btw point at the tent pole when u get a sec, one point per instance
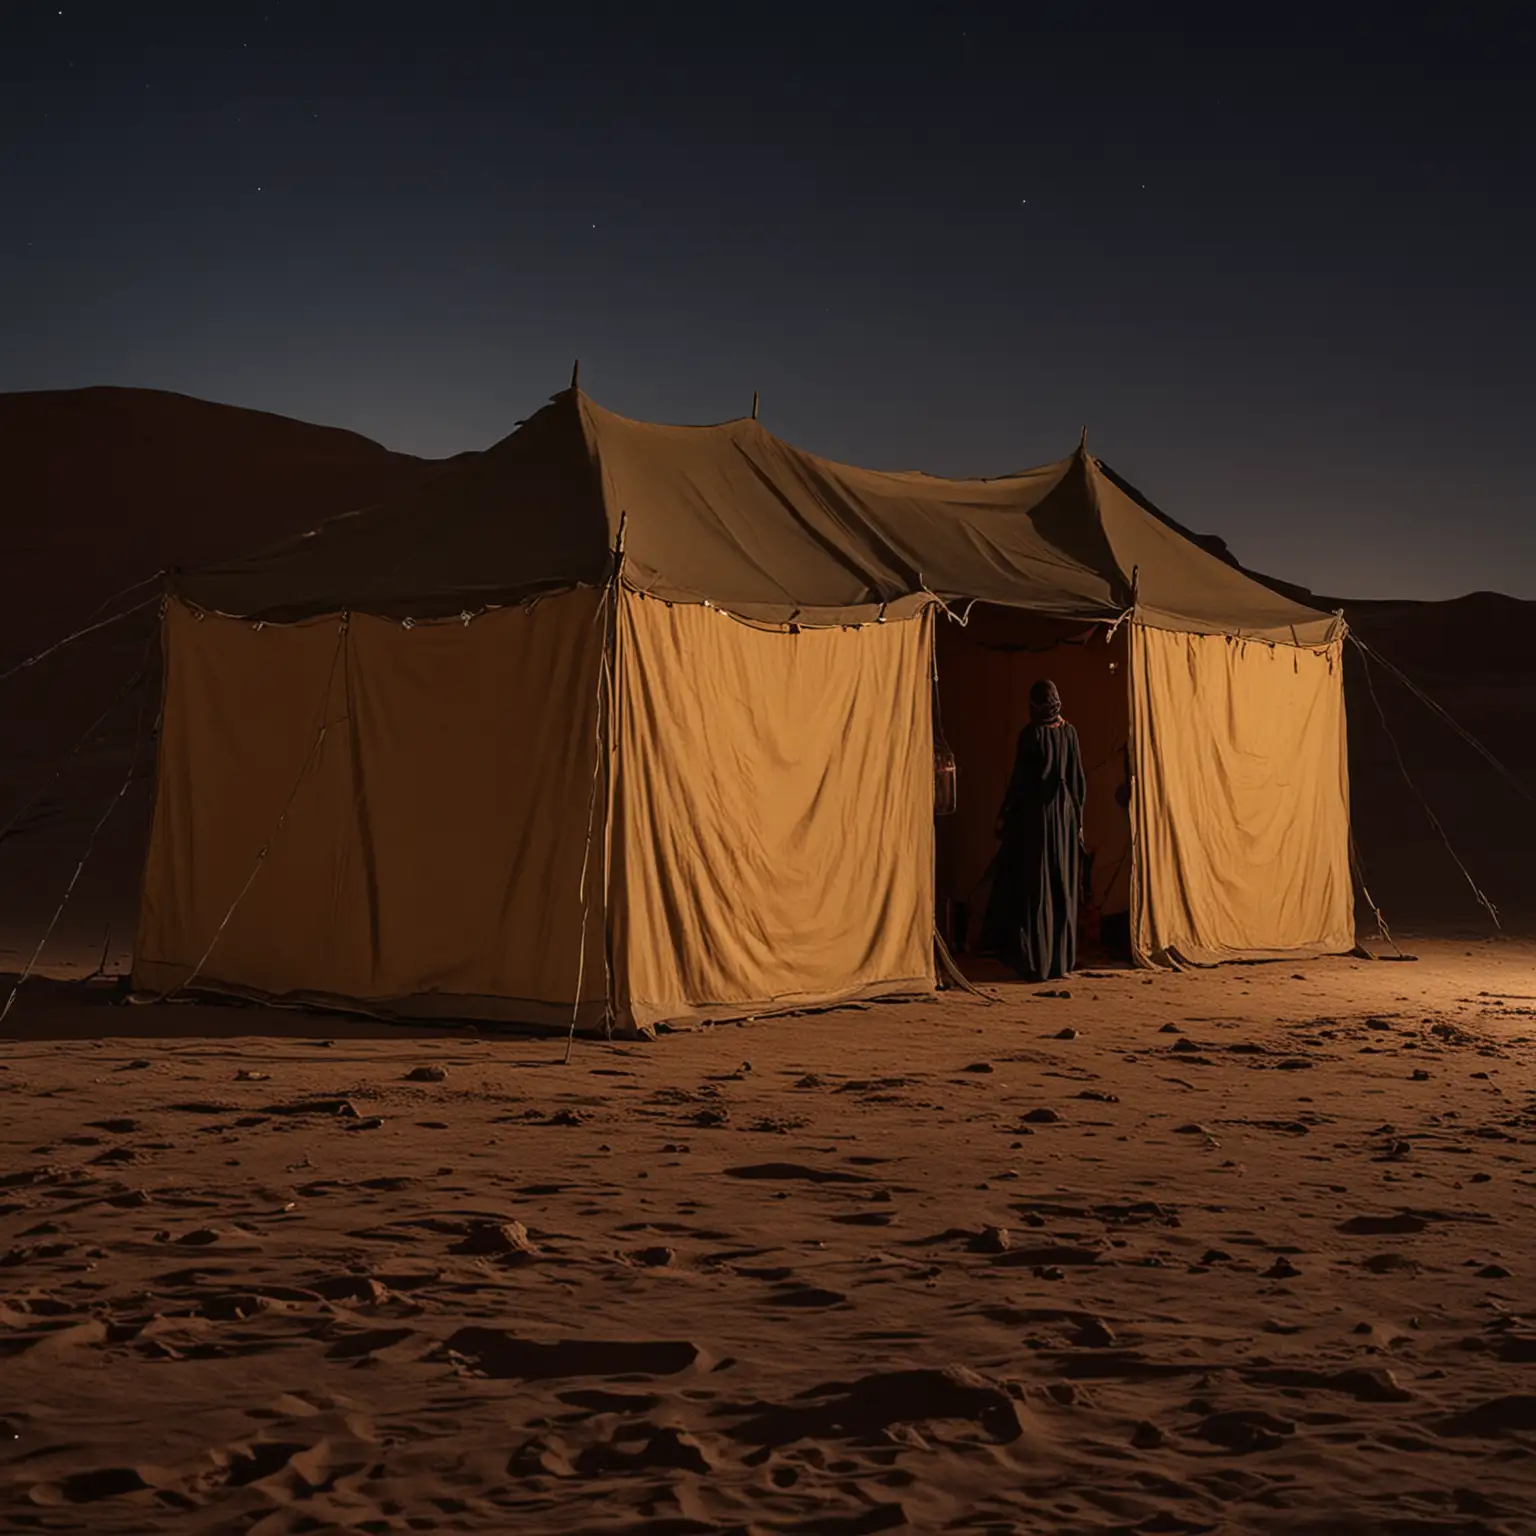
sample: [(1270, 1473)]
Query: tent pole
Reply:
[(603, 743), (614, 700)]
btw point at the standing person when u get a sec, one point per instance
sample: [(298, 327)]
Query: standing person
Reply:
[(1032, 914)]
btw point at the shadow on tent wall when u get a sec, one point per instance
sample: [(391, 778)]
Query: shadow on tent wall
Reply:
[(986, 669)]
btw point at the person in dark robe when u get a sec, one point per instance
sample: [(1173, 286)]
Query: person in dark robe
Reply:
[(1031, 918)]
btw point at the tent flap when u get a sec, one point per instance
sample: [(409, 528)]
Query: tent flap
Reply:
[(1240, 799)]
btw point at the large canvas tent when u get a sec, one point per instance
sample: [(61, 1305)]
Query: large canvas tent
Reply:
[(626, 724)]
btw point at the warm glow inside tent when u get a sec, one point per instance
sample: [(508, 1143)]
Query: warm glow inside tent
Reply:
[(634, 724)]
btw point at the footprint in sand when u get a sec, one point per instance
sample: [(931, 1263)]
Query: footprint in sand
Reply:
[(90, 1487), (500, 1354), (1244, 1430), (805, 1297), (795, 1172), (876, 1403)]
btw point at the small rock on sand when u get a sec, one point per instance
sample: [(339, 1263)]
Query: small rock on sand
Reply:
[(1093, 1333), (654, 1258), (497, 1239), (991, 1240)]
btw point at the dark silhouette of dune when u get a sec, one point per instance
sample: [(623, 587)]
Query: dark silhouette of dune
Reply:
[(1474, 656), (107, 485)]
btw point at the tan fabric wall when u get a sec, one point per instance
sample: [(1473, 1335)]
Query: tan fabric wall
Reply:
[(773, 814), (430, 856), (1241, 800)]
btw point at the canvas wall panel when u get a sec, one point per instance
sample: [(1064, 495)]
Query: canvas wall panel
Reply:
[(773, 818), (429, 857), (1241, 799)]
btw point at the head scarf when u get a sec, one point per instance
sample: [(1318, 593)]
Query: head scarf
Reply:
[(1044, 703)]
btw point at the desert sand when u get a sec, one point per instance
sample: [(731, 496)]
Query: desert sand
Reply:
[(1246, 1249)]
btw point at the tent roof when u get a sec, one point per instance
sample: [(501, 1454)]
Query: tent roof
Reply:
[(733, 516)]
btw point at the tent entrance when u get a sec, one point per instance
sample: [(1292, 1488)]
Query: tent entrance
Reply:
[(985, 671)]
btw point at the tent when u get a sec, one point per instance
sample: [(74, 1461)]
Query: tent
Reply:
[(622, 725)]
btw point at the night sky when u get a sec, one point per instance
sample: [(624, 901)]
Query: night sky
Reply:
[(1279, 260)]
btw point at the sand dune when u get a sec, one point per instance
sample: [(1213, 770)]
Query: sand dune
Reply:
[(103, 486), (1241, 1251), (1476, 657)]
